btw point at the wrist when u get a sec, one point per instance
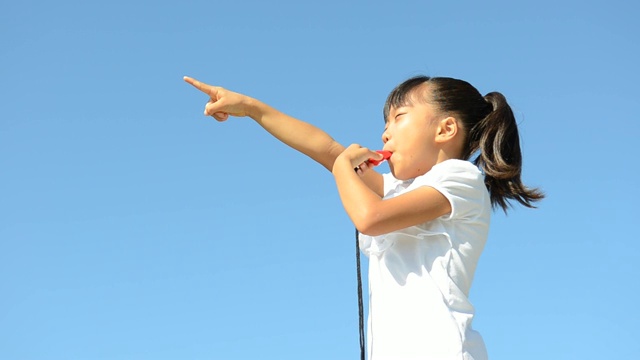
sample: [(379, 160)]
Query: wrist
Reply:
[(341, 164), (255, 109)]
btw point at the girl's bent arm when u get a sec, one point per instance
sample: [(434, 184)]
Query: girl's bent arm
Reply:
[(370, 213)]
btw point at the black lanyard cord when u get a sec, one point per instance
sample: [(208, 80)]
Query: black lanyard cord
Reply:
[(360, 305)]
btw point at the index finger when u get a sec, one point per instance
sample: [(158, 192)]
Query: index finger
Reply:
[(205, 88)]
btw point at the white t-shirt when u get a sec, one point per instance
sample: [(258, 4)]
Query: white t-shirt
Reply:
[(420, 276)]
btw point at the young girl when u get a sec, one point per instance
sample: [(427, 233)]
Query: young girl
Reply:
[(455, 155)]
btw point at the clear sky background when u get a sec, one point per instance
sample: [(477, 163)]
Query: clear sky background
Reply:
[(133, 227)]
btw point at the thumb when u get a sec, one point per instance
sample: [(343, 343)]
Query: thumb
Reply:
[(379, 156), (213, 108)]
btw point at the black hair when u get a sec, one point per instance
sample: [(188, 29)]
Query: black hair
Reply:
[(490, 129)]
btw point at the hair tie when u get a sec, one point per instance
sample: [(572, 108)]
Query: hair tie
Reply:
[(489, 106)]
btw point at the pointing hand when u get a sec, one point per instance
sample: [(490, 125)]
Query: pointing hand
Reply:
[(222, 102)]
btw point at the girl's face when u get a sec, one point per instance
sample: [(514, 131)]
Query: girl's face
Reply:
[(410, 133)]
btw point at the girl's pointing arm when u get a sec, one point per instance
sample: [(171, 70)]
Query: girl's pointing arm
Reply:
[(301, 136)]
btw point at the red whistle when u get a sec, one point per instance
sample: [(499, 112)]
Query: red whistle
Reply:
[(385, 156)]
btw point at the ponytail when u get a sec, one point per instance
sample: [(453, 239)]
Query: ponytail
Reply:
[(496, 140)]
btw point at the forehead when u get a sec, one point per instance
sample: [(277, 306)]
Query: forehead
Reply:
[(407, 97)]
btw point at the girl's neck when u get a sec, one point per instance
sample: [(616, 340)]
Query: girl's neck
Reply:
[(447, 154)]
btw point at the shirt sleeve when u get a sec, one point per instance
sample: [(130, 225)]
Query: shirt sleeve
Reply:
[(461, 183)]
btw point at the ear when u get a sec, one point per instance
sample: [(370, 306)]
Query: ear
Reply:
[(447, 129)]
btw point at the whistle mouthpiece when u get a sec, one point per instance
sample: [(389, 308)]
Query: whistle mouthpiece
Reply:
[(385, 156)]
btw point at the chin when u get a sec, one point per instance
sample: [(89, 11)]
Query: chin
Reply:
[(397, 175)]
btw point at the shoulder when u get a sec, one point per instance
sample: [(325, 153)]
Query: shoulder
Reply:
[(454, 168), (452, 172), (461, 182)]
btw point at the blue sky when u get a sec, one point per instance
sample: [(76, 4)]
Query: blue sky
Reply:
[(132, 227)]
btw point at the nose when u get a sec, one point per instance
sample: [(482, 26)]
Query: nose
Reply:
[(385, 136)]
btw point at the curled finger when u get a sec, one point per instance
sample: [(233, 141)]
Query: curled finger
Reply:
[(362, 168), (220, 116)]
